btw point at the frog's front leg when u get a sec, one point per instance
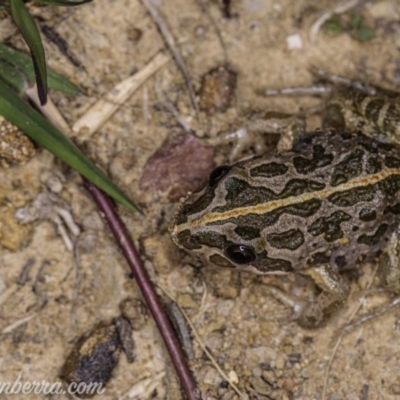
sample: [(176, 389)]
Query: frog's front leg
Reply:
[(312, 314), (335, 290), (291, 129), (389, 271)]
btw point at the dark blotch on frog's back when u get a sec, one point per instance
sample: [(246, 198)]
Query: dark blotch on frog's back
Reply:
[(349, 168), (367, 214), (320, 159), (291, 239), (329, 226), (373, 165), (247, 232), (374, 239), (200, 204), (351, 197), (269, 170)]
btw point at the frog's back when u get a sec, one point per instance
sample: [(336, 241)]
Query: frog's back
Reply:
[(332, 200)]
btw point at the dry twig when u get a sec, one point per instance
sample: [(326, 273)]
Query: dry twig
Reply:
[(173, 48), (131, 255), (105, 107), (203, 346)]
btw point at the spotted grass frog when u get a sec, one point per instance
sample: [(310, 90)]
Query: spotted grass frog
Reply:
[(323, 202)]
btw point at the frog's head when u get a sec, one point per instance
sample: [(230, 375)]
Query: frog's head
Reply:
[(219, 223)]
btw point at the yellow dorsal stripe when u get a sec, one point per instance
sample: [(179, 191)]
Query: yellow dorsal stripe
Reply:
[(275, 204)]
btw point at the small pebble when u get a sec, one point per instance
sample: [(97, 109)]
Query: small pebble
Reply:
[(134, 34), (233, 377), (305, 373), (122, 163), (217, 91), (294, 42), (209, 376), (200, 32), (135, 311)]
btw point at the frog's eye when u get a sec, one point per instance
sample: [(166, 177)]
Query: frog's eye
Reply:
[(240, 254), (217, 174)]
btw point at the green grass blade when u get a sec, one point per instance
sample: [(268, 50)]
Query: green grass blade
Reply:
[(23, 63), (65, 3), (38, 128), (26, 24), (13, 77)]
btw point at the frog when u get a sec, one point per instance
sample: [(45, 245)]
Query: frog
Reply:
[(321, 203)]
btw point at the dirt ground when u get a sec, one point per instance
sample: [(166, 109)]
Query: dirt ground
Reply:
[(49, 295)]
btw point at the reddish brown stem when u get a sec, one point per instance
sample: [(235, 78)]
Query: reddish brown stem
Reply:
[(132, 257)]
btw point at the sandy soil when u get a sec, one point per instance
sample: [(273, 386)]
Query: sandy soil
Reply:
[(49, 296)]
